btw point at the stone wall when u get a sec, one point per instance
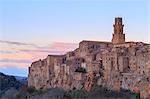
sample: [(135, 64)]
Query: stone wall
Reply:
[(101, 63)]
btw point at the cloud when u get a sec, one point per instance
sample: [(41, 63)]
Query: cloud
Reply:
[(61, 45), (43, 51), (16, 56), (15, 64), (15, 43), (21, 55), (15, 60)]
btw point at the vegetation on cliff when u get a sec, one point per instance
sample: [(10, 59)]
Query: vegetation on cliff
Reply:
[(11, 88), (97, 92)]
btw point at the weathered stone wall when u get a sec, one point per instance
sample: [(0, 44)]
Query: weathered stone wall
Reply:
[(38, 74), (101, 63)]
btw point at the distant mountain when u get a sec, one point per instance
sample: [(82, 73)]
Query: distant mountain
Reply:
[(22, 79), (8, 83)]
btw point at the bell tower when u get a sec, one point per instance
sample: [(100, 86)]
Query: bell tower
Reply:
[(118, 36)]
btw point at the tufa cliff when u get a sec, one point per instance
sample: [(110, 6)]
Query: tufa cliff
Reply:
[(115, 65)]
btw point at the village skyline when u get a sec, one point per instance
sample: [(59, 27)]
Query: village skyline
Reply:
[(34, 29)]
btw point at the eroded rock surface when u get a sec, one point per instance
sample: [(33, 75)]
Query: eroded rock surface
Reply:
[(95, 63), (117, 64)]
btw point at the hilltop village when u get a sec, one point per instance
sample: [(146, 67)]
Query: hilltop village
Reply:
[(115, 65)]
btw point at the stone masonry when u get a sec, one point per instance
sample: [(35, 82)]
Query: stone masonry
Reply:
[(115, 65)]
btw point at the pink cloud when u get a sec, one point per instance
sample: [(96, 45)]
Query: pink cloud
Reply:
[(63, 46), (16, 56), (18, 65)]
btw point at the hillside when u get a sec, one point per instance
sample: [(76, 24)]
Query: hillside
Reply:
[(22, 79), (9, 84)]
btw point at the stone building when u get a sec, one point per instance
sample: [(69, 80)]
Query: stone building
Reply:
[(115, 65), (118, 36)]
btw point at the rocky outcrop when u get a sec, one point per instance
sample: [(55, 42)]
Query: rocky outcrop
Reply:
[(112, 66), (115, 65)]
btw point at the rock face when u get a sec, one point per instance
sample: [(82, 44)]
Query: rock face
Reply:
[(122, 65)]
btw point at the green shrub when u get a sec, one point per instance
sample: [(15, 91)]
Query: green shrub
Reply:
[(31, 90), (135, 96), (76, 94)]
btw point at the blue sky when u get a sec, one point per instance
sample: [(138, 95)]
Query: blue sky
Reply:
[(48, 22)]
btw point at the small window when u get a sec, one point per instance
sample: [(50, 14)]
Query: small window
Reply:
[(94, 57), (143, 72), (120, 30), (83, 60)]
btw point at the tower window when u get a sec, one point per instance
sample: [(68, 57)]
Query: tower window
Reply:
[(120, 30)]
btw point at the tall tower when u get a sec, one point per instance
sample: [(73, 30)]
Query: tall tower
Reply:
[(118, 36)]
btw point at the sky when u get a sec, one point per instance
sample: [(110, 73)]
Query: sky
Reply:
[(32, 29)]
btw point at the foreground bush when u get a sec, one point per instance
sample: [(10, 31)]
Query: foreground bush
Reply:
[(31, 90), (97, 92), (76, 94)]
